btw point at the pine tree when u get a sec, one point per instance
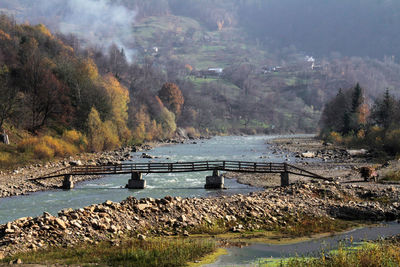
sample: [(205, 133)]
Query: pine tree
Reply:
[(384, 111), (357, 99)]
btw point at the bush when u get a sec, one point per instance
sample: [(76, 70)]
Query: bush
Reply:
[(72, 136), (76, 138), (335, 137), (4, 157), (392, 142), (27, 144), (392, 176), (42, 151), (110, 134), (47, 147)]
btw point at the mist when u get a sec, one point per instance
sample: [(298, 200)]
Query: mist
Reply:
[(99, 23)]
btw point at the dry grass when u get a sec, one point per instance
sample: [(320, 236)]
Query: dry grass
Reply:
[(307, 225), (158, 252), (392, 176)]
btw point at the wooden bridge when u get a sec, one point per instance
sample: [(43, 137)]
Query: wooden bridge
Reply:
[(215, 181)]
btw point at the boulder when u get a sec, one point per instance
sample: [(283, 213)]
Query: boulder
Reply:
[(308, 154), (76, 163)]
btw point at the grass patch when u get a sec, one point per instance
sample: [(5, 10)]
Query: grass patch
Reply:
[(392, 176), (375, 254), (309, 225), (156, 252), (209, 259)]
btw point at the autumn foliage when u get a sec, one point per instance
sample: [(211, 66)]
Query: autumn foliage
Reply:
[(347, 119), (172, 98)]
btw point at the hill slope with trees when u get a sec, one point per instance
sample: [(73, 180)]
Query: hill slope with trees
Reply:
[(207, 66)]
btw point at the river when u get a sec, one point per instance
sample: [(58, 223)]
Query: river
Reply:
[(246, 148)]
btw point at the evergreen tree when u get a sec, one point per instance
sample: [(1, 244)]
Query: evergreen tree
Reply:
[(357, 99), (384, 111), (334, 112)]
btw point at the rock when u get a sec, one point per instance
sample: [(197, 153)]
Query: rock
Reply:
[(308, 154), (185, 233), (108, 203), (61, 223), (9, 231), (143, 206), (357, 152), (147, 156), (75, 163), (141, 237), (182, 218)]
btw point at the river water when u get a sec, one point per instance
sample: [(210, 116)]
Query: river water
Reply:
[(245, 148)]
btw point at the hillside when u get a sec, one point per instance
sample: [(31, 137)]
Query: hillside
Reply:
[(232, 80)]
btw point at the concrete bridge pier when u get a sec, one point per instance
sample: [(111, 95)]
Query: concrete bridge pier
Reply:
[(136, 181), (284, 179), (68, 183), (215, 181)]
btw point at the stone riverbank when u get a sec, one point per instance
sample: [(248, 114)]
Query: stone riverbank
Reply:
[(268, 209)]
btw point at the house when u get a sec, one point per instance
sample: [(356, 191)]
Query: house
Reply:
[(218, 71)]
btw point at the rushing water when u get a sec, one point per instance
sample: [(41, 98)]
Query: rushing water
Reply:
[(250, 148), (258, 253)]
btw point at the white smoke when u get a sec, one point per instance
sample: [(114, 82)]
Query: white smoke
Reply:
[(99, 22)]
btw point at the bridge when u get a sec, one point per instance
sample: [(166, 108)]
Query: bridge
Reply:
[(212, 182)]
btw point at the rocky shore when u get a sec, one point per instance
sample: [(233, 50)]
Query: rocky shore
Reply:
[(327, 160), (268, 209), (275, 207)]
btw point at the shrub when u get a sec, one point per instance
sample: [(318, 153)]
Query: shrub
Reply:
[(54, 144), (392, 176), (72, 136), (335, 137), (76, 138), (392, 142), (27, 144), (110, 134), (46, 147), (4, 157), (42, 151)]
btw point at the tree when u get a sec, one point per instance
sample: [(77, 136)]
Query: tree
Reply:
[(357, 99), (172, 97), (384, 111), (94, 129), (334, 115), (8, 97), (117, 61), (42, 91), (119, 97)]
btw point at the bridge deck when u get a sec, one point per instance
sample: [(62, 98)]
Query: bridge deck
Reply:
[(232, 166)]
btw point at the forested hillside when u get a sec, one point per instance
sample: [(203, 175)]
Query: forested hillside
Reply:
[(136, 70)]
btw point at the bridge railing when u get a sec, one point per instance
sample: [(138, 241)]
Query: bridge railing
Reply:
[(155, 167), (237, 166)]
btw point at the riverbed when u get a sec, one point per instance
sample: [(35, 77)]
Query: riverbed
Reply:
[(245, 148)]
